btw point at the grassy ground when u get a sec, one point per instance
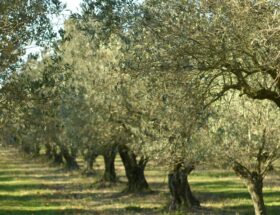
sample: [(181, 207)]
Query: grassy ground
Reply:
[(32, 186)]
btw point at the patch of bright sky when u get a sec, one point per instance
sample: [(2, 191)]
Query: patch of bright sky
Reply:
[(72, 5)]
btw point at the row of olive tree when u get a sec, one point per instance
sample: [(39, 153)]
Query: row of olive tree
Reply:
[(225, 46), (145, 80)]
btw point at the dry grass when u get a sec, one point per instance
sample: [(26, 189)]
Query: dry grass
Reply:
[(32, 186)]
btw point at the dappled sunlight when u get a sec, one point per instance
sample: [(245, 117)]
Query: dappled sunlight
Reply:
[(40, 189)]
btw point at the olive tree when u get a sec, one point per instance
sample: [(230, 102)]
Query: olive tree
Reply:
[(164, 116), (102, 21), (93, 102), (246, 138), (23, 22), (34, 99), (229, 45), (169, 109)]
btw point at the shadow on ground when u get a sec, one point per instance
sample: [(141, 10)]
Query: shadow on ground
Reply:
[(31, 187)]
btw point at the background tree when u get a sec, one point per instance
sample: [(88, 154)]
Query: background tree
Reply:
[(164, 111), (246, 137)]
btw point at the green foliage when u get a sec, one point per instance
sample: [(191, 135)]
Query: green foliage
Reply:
[(246, 132), (23, 22), (230, 45)]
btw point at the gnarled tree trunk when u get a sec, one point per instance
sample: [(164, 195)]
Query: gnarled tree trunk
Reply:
[(180, 190), (48, 150), (255, 187), (90, 158), (70, 159), (57, 157), (109, 161), (36, 150), (26, 148), (254, 182), (134, 170)]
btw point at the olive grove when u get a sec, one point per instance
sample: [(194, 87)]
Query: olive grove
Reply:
[(170, 83)]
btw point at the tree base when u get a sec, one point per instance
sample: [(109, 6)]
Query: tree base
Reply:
[(72, 166), (88, 173), (182, 196), (137, 189)]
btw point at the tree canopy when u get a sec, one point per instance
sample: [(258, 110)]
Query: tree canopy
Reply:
[(23, 23)]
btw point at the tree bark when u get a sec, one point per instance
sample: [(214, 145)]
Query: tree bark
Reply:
[(48, 150), (134, 170), (180, 190), (36, 150), (57, 157), (254, 182), (109, 161), (26, 149), (70, 160), (255, 188), (90, 158)]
